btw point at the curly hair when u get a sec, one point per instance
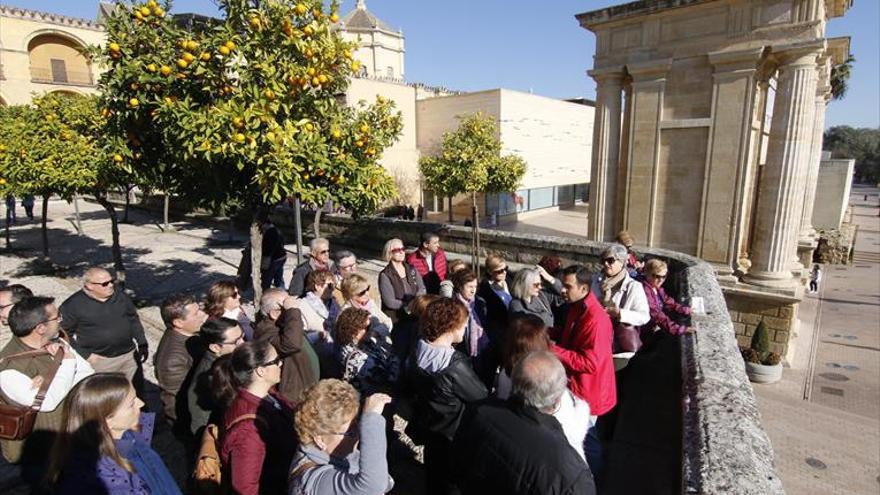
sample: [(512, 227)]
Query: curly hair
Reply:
[(442, 316), (318, 277), (327, 406), (349, 323)]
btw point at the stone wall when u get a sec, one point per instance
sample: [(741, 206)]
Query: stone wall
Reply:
[(725, 449), (779, 318)]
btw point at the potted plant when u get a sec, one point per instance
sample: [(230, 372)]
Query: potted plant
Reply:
[(762, 366)]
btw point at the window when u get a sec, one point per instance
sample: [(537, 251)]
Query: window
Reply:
[(389, 72), (59, 70), (541, 197)]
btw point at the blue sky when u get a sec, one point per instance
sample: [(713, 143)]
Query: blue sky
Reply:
[(538, 46)]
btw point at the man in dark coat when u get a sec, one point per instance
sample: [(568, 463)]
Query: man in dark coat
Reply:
[(282, 325), (177, 352), (517, 446)]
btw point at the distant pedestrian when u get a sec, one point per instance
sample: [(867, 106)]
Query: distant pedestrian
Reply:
[(815, 278), (28, 203), (420, 213), (10, 209)]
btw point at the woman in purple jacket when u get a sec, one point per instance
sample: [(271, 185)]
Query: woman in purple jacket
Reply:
[(662, 307), (104, 443)]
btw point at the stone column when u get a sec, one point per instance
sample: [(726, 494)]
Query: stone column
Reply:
[(606, 154), (823, 92), (780, 206)]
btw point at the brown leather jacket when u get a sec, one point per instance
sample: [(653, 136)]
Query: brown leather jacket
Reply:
[(300, 369), (174, 362)]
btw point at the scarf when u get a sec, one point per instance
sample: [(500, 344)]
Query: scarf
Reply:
[(475, 328), (610, 286), (329, 314), (147, 464)]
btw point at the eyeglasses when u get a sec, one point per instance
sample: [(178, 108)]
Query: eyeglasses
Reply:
[(609, 260), (659, 277), (276, 361), (364, 292), (105, 283), (499, 271), (237, 341), (57, 318)]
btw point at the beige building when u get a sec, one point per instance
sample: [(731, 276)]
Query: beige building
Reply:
[(552, 136), (380, 48), (709, 121), (41, 52)]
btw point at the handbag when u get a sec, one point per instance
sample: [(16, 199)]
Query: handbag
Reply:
[(208, 472), (627, 338), (17, 421)]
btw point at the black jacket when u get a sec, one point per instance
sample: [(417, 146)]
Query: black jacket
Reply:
[(105, 328), (495, 322), (440, 397), (511, 448)]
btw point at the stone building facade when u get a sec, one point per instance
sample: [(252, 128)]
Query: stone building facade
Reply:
[(709, 121), (41, 52)]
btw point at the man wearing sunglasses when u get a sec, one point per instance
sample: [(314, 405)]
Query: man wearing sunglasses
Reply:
[(319, 259), (9, 296), (104, 326)]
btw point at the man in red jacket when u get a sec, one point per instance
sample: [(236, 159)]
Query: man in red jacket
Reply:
[(584, 347), (430, 261)]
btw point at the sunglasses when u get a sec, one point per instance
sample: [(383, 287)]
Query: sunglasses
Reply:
[(276, 361), (660, 277), (398, 250), (499, 271), (609, 261), (364, 292), (105, 283)]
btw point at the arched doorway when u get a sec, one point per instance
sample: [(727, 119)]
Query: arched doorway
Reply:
[(56, 59)]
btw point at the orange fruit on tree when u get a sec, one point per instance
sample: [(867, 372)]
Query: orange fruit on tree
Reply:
[(205, 56), (239, 137), (309, 126), (114, 47), (301, 8), (191, 45), (365, 128), (165, 70), (316, 81), (230, 45), (183, 64), (117, 158), (269, 94), (188, 57), (133, 103), (223, 50), (311, 71), (334, 17), (308, 31), (336, 133), (151, 68), (356, 66), (145, 11)]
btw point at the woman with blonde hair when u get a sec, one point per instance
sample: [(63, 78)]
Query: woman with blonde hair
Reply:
[(356, 293), (663, 308), (103, 445), (339, 453), (399, 282), (224, 299)]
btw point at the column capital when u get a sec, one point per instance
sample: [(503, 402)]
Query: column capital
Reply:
[(799, 54), (650, 70), (607, 74), (735, 60)]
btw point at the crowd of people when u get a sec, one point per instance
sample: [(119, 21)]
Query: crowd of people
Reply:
[(505, 381)]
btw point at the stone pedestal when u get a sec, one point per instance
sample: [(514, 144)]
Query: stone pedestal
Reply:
[(780, 203), (606, 155)]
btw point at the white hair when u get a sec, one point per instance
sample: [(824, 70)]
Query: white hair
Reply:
[(521, 287), (539, 380)]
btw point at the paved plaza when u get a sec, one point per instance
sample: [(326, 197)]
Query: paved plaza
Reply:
[(823, 417)]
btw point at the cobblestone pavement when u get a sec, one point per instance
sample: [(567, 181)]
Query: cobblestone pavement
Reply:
[(823, 418), (186, 259)]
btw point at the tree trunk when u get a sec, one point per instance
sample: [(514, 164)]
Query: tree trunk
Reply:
[(44, 231), (450, 210), (317, 225), (165, 226), (78, 223), (299, 233), (127, 203), (475, 239), (118, 266), (256, 258), (230, 231), (8, 239)]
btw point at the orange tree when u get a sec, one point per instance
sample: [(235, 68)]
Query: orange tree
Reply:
[(246, 109), (50, 148), (469, 160)]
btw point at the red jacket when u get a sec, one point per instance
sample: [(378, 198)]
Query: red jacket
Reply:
[(257, 452), (584, 347), (419, 262)]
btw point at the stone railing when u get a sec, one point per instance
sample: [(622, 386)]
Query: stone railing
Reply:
[(724, 449)]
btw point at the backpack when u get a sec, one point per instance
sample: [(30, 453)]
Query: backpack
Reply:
[(208, 473)]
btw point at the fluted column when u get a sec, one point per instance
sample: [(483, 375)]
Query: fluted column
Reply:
[(606, 154), (823, 91), (780, 207)]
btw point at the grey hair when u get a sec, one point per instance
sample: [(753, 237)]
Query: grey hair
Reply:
[(386, 251), (616, 251), (318, 241), (522, 283), (271, 300), (91, 272), (539, 380), (342, 254)]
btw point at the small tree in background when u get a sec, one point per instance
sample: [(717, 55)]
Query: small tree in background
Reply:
[(470, 161), (47, 149), (244, 109)]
